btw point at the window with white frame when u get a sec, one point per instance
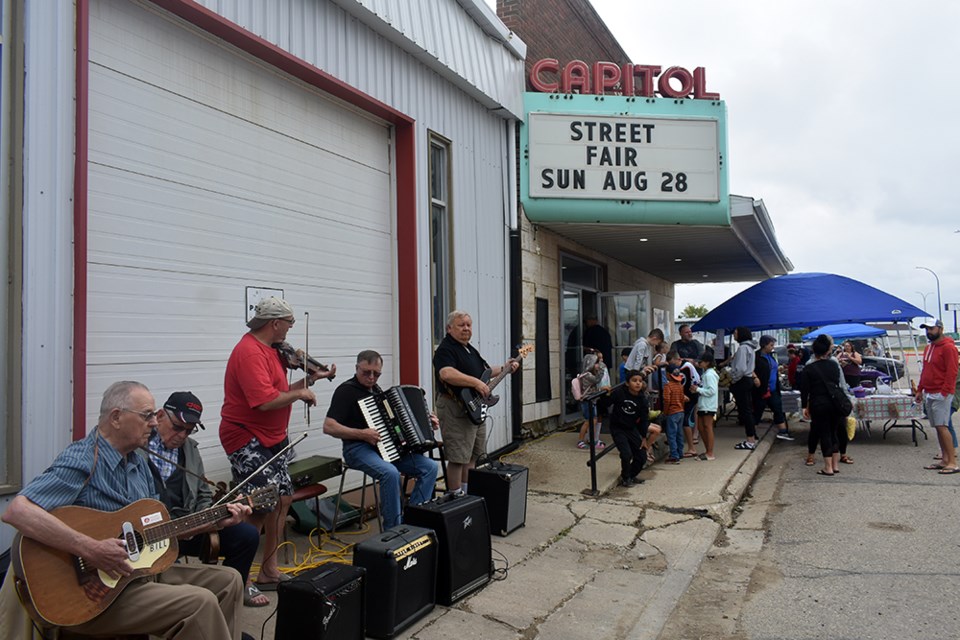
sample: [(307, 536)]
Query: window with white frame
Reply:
[(441, 234)]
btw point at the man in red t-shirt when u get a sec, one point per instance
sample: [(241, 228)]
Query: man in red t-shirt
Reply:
[(256, 409), (938, 380)]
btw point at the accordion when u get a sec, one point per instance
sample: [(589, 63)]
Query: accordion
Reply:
[(401, 416)]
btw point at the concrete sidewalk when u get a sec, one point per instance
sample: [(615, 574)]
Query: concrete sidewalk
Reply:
[(611, 566)]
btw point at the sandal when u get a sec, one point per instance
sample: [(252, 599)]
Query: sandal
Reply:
[(650, 457), (253, 597), (946, 471), (810, 462), (581, 445), (821, 472), (846, 459), (934, 467), (745, 445), (271, 585)]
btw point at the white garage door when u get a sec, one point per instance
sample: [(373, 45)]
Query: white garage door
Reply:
[(211, 172)]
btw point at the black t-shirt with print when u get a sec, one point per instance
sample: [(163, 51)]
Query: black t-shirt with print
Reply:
[(629, 411)]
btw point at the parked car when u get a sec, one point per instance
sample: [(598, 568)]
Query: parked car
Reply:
[(888, 366)]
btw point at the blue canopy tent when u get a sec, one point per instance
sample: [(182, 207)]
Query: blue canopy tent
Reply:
[(846, 331), (807, 300)]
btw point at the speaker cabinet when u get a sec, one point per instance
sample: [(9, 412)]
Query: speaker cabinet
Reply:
[(463, 535), (504, 487), (326, 603), (401, 569)]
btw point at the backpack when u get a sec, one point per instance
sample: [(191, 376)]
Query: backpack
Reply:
[(576, 388)]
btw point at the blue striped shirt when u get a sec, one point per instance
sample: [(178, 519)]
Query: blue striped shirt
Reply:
[(116, 481)]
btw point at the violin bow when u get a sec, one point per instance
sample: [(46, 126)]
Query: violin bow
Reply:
[(306, 363)]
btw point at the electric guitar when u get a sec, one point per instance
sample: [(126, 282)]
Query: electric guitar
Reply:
[(51, 582), (475, 404)]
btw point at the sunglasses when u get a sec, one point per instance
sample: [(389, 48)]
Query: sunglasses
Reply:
[(184, 428)]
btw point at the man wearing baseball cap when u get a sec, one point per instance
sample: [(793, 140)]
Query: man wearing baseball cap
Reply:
[(178, 472), (938, 380), (256, 409)]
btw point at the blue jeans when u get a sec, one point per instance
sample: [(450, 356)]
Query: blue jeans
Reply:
[(675, 434), (364, 457)]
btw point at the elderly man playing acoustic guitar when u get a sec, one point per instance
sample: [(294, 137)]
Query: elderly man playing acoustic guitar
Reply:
[(103, 472)]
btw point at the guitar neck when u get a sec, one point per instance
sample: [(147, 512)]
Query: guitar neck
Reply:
[(186, 525), (500, 376)]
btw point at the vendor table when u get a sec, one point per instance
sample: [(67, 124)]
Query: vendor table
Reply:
[(896, 410)]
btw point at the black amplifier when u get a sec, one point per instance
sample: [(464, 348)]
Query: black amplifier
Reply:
[(401, 566), (504, 487), (463, 535), (325, 603)]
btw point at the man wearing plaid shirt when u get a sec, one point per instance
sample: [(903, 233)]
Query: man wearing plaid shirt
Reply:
[(185, 491)]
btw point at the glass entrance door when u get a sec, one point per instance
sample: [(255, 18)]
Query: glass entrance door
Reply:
[(626, 314)]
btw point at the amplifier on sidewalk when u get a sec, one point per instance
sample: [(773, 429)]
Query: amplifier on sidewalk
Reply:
[(401, 566), (463, 535), (504, 487), (325, 603)]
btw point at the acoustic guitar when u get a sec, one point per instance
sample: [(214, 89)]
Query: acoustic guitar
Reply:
[(51, 582), (475, 404)]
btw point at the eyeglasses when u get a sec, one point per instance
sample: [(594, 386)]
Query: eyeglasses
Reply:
[(184, 428), (146, 416), (369, 372), (291, 321)]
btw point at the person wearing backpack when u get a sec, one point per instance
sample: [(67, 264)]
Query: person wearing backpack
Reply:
[(589, 383)]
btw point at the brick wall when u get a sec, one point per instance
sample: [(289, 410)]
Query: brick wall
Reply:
[(562, 29)]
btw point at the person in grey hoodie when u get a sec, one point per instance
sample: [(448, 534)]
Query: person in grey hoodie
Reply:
[(743, 380)]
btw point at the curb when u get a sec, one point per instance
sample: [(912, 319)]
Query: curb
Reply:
[(741, 480)]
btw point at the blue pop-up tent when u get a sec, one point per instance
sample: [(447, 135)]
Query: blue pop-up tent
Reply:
[(846, 331), (807, 300)]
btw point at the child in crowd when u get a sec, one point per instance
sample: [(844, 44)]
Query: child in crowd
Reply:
[(673, 401), (590, 379), (691, 378), (707, 403), (624, 354), (629, 418)]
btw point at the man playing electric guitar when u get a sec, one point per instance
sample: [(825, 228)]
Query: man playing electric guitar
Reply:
[(458, 366), (103, 472)]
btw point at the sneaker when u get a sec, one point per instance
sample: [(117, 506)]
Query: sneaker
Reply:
[(637, 480), (627, 482), (784, 435), (673, 460), (581, 445), (745, 444), (600, 445)]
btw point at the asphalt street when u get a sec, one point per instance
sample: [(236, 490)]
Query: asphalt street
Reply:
[(869, 554)]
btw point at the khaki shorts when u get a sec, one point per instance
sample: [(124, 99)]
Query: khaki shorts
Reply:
[(463, 441)]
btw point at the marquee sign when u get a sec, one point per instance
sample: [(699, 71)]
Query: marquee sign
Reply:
[(623, 157), (608, 78)]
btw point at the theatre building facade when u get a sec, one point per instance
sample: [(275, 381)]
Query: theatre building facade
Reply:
[(168, 163), (624, 193)]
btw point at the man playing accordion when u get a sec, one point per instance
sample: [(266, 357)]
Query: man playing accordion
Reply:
[(345, 420)]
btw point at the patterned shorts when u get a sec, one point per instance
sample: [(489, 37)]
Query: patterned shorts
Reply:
[(252, 456)]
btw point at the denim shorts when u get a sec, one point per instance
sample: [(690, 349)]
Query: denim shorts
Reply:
[(587, 409)]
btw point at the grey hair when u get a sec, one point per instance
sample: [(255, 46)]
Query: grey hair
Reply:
[(369, 356), (115, 397), (453, 315)]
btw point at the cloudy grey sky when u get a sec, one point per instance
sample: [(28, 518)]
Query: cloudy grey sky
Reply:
[(843, 117)]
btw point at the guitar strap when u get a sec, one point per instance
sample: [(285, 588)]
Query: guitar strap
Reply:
[(178, 466)]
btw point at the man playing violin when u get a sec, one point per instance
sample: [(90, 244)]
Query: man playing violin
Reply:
[(178, 471), (102, 471), (257, 401)]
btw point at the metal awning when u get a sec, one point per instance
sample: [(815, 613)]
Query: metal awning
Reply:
[(744, 251)]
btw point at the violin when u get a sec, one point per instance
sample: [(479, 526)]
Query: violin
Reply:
[(296, 359)]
